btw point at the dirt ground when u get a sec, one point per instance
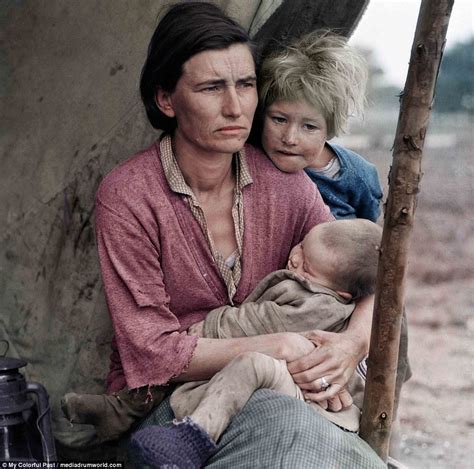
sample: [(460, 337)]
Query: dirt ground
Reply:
[(436, 410)]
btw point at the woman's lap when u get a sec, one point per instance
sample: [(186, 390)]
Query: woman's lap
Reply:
[(274, 431)]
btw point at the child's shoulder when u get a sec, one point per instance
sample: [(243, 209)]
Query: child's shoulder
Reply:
[(350, 159), (348, 155)]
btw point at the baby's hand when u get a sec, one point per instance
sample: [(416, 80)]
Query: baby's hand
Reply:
[(197, 329)]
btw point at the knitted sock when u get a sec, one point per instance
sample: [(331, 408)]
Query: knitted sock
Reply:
[(183, 445)]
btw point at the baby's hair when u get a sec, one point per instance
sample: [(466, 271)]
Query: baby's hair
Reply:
[(354, 246), (322, 69)]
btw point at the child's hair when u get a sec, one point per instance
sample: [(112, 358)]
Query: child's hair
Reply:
[(322, 69), (354, 246)]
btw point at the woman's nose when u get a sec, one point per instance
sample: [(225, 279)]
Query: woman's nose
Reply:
[(231, 105)]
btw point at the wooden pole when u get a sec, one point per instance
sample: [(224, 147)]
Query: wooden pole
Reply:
[(404, 179)]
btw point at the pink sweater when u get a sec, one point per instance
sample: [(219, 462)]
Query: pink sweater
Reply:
[(157, 268)]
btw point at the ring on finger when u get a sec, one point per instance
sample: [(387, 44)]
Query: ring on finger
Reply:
[(324, 383)]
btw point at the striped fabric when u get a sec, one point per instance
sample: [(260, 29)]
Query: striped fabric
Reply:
[(275, 431), (362, 369), (176, 181)]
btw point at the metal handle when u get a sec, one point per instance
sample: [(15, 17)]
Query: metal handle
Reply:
[(44, 420)]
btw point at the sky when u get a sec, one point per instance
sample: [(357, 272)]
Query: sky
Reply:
[(388, 28)]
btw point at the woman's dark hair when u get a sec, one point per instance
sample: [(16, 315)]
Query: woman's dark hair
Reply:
[(186, 29)]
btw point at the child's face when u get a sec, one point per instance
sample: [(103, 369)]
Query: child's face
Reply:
[(311, 260), (294, 134)]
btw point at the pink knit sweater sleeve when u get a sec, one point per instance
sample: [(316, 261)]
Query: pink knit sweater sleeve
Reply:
[(152, 347)]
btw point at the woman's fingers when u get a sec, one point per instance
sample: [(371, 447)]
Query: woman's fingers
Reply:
[(313, 394), (335, 404), (319, 372), (346, 398), (323, 403), (332, 357), (305, 362), (318, 356), (338, 402)]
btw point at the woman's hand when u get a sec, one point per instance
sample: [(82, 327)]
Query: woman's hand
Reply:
[(294, 346), (332, 362), (334, 404)]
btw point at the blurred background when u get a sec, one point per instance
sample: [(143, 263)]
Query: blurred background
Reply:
[(436, 410)]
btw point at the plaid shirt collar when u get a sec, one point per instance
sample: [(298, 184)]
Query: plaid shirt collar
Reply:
[(175, 177)]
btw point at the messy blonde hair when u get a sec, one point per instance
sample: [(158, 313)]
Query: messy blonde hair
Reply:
[(322, 69)]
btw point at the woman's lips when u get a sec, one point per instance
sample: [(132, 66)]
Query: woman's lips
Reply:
[(232, 129)]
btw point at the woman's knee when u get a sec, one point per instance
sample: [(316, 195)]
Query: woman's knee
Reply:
[(298, 430)]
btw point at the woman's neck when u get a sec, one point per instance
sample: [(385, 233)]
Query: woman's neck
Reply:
[(204, 172)]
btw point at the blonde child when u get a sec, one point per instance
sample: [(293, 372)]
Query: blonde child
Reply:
[(307, 92)]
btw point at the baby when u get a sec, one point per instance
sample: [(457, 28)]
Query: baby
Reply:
[(307, 92), (335, 264)]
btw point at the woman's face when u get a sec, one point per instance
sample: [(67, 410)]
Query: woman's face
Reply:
[(214, 101), (294, 134)]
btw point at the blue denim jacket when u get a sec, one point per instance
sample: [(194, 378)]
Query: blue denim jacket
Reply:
[(355, 192)]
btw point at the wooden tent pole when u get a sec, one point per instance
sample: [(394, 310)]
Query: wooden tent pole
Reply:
[(404, 178)]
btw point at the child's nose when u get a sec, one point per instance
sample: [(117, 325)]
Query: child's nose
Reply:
[(289, 136)]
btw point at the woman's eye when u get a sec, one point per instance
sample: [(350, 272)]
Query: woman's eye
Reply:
[(210, 89), (247, 84), (310, 127)]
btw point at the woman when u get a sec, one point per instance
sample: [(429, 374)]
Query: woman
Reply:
[(193, 223)]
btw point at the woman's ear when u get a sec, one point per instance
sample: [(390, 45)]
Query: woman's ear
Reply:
[(164, 102)]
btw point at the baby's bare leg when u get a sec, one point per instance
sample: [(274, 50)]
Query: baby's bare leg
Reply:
[(230, 389)]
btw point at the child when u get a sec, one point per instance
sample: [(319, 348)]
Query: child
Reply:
[(334, 264), (307, 92)]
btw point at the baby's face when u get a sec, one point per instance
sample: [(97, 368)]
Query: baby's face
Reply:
[(310, 260), (294, 134)]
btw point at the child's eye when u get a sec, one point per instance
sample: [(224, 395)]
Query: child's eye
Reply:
[(310, 127), (278, 119)]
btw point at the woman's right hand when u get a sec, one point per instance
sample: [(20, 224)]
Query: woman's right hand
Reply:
[(295, 346)]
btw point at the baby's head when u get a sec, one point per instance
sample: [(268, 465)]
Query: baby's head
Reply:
[(341, 255), (307, 92)]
